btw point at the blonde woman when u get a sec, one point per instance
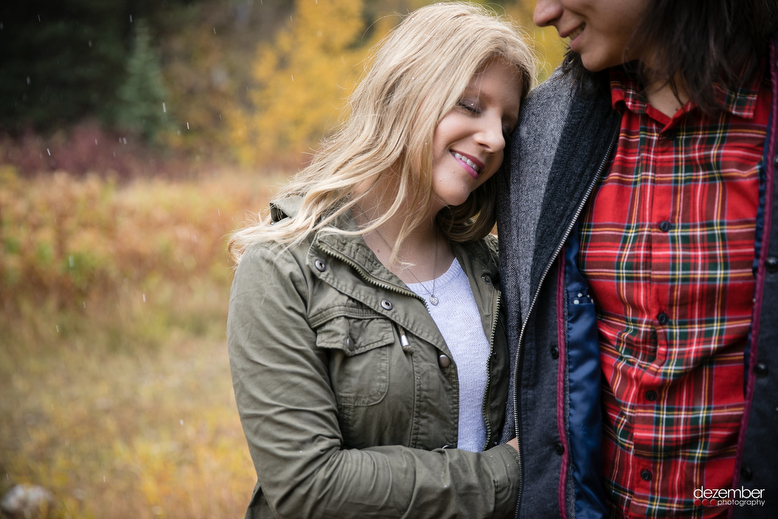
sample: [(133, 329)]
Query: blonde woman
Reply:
[(368, 354)]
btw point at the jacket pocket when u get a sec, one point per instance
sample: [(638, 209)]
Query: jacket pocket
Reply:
[(358, 352)]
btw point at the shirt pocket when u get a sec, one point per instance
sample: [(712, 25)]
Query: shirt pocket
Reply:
[(358, 352)]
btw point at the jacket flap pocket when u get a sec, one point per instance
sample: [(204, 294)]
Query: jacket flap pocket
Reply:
[(354, 335)]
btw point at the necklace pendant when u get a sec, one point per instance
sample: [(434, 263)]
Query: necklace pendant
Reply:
[(434, 300)]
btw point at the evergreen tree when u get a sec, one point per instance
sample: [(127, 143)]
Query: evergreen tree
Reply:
[(142, 94)]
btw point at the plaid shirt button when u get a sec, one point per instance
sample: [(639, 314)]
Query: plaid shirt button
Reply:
[(663, 318), (646, 475), (651, 395)]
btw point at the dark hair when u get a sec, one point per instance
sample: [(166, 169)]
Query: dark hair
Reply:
[(695, 43)]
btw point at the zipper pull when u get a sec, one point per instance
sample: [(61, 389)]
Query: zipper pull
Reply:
[(404, 340)]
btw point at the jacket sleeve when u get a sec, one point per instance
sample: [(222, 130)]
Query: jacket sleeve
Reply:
[(289, 415)]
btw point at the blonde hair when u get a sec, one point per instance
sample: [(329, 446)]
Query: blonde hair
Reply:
[(419, 72)]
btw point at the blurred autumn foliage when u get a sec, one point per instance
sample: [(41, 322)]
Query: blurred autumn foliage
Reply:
[(254, 82)]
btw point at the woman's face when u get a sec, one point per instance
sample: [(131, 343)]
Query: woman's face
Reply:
[(598, 29), (468, 144)]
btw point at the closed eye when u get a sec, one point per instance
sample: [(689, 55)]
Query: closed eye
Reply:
[(469, 106)]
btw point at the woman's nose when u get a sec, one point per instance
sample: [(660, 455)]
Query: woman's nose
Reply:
[(491, 136)]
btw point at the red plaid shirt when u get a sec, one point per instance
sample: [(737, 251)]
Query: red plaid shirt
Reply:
[(667, 244)]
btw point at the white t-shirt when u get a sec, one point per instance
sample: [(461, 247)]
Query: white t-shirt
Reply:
[(459, 321)]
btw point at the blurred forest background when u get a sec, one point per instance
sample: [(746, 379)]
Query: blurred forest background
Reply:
[(134, 136)]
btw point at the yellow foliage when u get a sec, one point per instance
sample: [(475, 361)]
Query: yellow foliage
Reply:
[(549, 47), (302, 79)]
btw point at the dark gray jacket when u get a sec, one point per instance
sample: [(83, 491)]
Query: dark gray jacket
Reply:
[(563, 146)]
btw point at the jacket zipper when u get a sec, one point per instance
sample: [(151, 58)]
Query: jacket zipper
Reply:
[(569, 229), (368, 278), (484, 410)]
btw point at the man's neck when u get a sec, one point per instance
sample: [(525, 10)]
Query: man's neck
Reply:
[(664, 99)]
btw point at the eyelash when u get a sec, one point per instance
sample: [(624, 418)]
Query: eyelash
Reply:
[(473, 110), (470, 108)]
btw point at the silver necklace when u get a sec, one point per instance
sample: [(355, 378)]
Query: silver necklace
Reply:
[(433, 299)]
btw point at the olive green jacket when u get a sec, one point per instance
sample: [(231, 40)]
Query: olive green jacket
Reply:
[(348, 394)]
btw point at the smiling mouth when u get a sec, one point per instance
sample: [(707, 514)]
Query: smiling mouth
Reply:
[(467, 161), (576, 32)]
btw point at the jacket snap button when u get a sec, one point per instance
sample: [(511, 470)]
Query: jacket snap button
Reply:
[(444, 361), (485, 279), (554, 353), (772, 264), (662, 318), (646, 475), (559, 448), (746, 473), (386, 304), (664, 226), (319, 264), (651, 395), (761, 369)]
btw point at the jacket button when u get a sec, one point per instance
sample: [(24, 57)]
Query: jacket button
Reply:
[(646, 475), (554, 353), (772, 264), (486, 279), (559, 448), (386, 304), (651, 395), (319, 264), (663, 318), (664, 226), (444, 361), (761, 369), (746, 473)]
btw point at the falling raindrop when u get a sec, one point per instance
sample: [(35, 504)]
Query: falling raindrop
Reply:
[(57, 327), (28, 80), (84, 303), (218, 212), (214, 30), (90, 44), (144, 298), (71, 262), (39, 18), (49, 152), (103, 479), (292, 77), (164, 109), (187, 125), (130, 18), (95, 142), (181, 422)]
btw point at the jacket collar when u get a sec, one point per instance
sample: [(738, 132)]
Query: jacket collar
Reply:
[(353, 249)]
